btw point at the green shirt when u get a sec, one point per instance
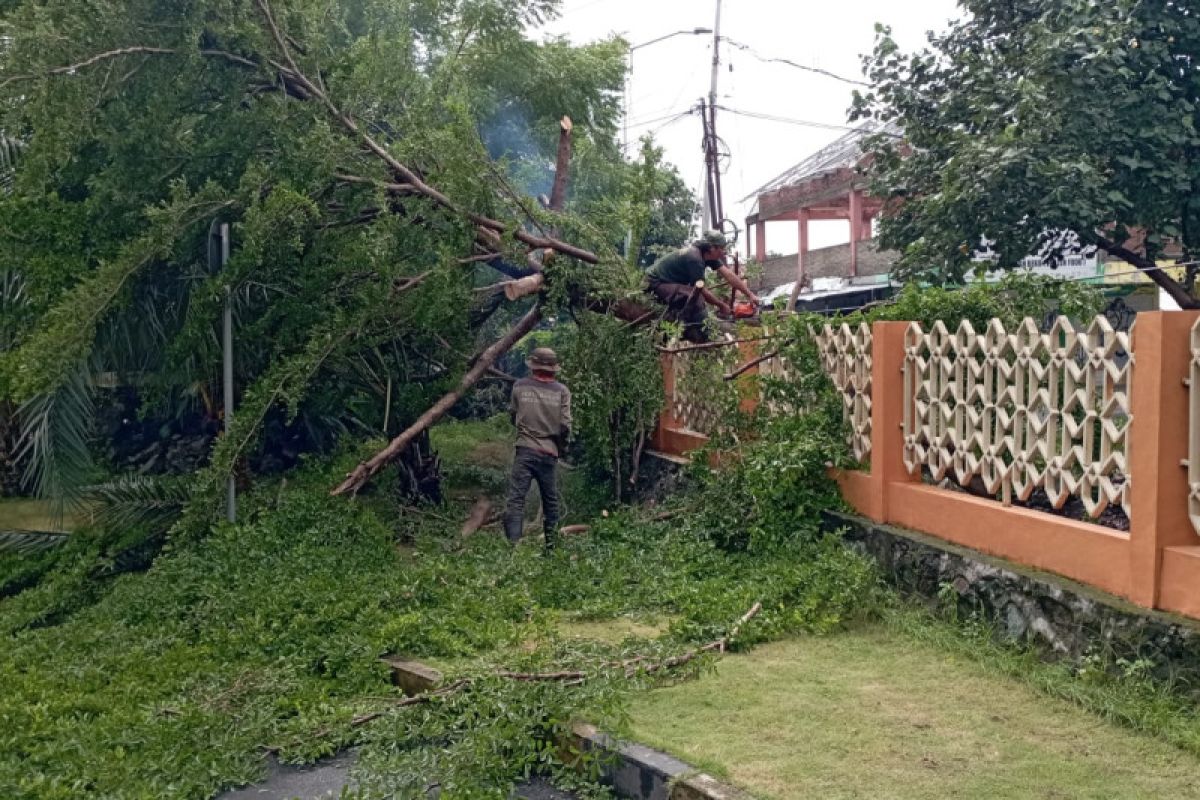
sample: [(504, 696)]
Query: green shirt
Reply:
[(685, 266), (541, 411)]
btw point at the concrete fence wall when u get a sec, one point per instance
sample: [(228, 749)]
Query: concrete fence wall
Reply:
[(1133, 444)]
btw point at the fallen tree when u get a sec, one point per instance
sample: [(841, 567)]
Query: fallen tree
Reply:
[(339, 193)]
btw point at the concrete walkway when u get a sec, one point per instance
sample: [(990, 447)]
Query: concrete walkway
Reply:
[(326, 779)]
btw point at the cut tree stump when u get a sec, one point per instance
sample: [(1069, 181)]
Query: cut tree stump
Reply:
[(412, 677)]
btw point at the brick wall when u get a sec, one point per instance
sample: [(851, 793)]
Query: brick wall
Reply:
[(827, 262)]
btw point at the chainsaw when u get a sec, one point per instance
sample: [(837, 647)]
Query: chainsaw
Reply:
[(745, 310)]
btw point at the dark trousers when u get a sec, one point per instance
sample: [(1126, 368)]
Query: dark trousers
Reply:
[(529, 466), (685, 304)]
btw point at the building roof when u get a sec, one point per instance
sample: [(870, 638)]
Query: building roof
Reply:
[(842, 153)]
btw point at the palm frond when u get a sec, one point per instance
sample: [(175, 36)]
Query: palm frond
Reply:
[(10, 153), (53, 447), (27, 543), (13, 297), (135, 500)]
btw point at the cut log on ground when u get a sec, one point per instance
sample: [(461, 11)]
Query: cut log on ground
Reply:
[(480, 512)]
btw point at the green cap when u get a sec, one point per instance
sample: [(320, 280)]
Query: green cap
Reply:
[(543, 359), (713, 239)]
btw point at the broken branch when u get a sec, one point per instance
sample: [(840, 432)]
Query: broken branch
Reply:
[(128, 51), (394, 188), (630, 667), (749, 365), (419, 186), (363, 719), (718, 646), (558, 195), (368, 469), (713, 345)]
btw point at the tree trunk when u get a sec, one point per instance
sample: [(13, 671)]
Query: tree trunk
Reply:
[(1168, 284), (420, 471), (486, 360), (558, 195)]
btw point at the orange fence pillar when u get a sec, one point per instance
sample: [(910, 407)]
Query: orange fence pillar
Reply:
[(666, 418), (868, 492), (887, 410), (1158, 444)]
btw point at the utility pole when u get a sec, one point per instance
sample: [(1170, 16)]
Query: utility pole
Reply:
[(712, 213), (714, 203), (712, 170)]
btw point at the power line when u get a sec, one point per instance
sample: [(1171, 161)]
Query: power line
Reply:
[(806, 123), (769, 60), (671, 117), (669, 122), (660, 113)]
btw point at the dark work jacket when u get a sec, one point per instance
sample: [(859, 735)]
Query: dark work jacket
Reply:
[(684, 266)]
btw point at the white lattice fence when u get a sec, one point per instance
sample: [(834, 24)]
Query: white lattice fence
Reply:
[(1193, 465), (846, 356), (696, 403), (1022, 410)]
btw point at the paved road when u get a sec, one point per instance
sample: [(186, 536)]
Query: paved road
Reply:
[(326, 779)]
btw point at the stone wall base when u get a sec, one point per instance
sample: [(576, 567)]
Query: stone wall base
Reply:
[(1058, 616)]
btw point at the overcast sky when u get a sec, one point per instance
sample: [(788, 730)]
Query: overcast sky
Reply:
[(672, 75)]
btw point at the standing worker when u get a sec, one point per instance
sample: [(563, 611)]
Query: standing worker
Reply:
[(677, 281), (541, 412)]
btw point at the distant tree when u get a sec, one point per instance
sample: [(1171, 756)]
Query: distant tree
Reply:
[(1028, 119), (661, 205)]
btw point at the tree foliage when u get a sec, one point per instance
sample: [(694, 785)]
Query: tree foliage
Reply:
[(139, 123), (1025, 120), (661, 208)]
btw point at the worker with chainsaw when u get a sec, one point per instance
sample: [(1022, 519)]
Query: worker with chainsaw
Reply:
[(541, 412), (677, 281)]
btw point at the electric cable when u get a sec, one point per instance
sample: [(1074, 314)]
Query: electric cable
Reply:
[(806, 123), (666, 118), (787, 62)]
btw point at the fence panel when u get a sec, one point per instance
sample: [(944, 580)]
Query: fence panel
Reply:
[(846, 357), (1193, 463), (1022, 410), (697, 403)]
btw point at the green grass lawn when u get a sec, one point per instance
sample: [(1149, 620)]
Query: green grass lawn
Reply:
[(874, 713)]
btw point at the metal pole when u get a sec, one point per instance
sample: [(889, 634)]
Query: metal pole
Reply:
[(710, 129), (625, 154), (628, 89), (705, 213), (231, 492)]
